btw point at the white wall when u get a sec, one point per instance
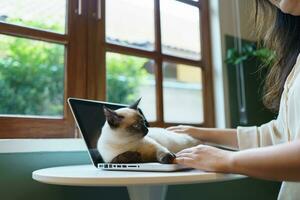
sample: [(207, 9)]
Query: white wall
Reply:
[(228, 17)]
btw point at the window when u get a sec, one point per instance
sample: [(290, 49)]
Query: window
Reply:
[(116, 50), (37, 68), (157, 50)]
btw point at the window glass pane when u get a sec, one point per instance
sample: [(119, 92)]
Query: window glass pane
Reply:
[(31, 77), (130, 23), (129, 78), (182, 90), (41, 14), (180, 29)]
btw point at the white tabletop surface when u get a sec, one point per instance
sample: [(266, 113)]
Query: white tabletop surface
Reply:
[(88, 175)]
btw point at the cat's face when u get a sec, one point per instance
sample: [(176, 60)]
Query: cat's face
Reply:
[(127, 122)]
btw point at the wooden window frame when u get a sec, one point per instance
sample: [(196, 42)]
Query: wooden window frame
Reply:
[(85, 72), (97, 70), (74, 81)]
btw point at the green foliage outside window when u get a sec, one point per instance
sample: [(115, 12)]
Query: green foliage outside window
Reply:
[(32, 75), (124, 76)]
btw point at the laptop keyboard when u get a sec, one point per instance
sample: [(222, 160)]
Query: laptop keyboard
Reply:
[(117, 166)]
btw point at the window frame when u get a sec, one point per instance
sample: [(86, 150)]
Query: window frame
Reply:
[(97, 70), (85, 71), (15, 126)]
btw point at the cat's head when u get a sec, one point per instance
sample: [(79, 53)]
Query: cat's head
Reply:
[(127, 122)]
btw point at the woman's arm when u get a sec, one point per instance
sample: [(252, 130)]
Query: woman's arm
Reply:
[(279, 162), (225, 137)]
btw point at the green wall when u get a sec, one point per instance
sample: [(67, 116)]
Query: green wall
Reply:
[(254, 76), (16, 182)]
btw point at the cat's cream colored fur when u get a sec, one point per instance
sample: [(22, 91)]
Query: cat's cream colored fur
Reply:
[(153, 147)]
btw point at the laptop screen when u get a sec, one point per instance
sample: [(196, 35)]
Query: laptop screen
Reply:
[(90, 118)]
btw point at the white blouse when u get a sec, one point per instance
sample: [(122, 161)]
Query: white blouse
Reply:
[(285, 128)]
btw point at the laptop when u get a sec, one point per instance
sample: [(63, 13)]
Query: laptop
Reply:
[(89, 117)]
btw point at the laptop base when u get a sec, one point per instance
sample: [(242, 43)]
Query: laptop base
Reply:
[(142, 167)]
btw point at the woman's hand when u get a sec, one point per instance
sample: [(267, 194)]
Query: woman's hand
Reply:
[(224, 137), (205, 158)]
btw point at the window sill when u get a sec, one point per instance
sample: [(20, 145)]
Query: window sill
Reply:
[(41, 145)]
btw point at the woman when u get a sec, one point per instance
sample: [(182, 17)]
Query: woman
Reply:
[(278, 157)]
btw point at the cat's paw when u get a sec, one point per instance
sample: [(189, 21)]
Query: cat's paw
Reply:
[(167, 158)]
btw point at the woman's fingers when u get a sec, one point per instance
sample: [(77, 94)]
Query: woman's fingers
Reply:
[(187, 161), (189, 150), (174, 128), (187, 154), (171, 128), (179, 129), (205, 158)]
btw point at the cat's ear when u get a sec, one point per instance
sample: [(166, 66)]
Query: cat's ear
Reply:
[(135, 104), (112, 117)]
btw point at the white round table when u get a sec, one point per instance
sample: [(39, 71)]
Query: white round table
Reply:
[(140, 185)]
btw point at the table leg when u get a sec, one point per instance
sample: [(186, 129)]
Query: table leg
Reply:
[(147, 192)]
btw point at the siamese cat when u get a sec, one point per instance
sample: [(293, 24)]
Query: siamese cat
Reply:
[(125, 138)]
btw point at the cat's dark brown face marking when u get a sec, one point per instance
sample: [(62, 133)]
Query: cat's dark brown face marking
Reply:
[(128, 120), (138, 126)]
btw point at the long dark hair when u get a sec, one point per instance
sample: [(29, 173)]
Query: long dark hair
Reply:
[(283, 36)]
